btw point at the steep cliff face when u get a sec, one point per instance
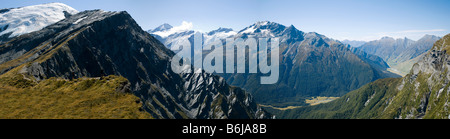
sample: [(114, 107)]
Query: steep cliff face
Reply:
[(97, 43), (425, 90), (423, 93)]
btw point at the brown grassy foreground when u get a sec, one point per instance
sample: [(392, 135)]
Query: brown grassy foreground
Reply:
[(85, 98)]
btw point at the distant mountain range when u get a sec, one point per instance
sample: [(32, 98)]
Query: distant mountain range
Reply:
[(423, 93), (399, 53), (354, 43)]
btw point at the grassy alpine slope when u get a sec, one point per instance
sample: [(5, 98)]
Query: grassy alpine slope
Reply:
[(55, 98)]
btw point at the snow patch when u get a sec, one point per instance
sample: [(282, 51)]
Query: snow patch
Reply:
[(32, 18), (79, 20), (267, 33), (440, 91), (370, 98), (249, 30)]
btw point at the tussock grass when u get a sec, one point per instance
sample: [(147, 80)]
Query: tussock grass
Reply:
[(55, 98)]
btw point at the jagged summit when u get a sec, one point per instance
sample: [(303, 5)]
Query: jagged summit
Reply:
[(267, 23), (387, 37), (427, 37), (443, 44), (265, 27), (163, 27)]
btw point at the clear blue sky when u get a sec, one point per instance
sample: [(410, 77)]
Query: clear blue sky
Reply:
[(338, 19)]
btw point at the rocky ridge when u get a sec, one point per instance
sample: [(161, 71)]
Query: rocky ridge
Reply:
[(97, 43)]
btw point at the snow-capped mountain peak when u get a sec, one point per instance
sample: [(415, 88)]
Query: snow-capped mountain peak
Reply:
[(167, 30), (263, 29), (163, 27), (18, 21)]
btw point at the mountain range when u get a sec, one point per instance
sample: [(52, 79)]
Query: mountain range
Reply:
[(96, 43), (57, 62), (401, 53)]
